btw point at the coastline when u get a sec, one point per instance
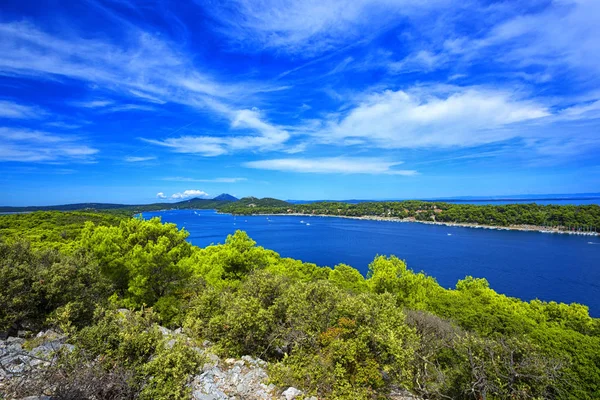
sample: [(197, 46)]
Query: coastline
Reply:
[(523, 228)]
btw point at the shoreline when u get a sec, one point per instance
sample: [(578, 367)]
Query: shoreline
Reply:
[(522, 228)]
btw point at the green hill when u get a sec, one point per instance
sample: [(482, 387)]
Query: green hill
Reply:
[(195, 203)]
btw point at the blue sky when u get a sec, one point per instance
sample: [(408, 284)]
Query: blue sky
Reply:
[(123, 101)]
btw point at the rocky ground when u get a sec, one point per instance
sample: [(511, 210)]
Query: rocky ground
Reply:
[(246, 378), (23, 361)]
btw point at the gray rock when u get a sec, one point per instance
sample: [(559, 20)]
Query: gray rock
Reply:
[(235, 379), (12, 340), (164, 331), (13, 348), (291, 393)]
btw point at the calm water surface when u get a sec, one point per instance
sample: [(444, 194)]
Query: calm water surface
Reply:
[(527, 265)]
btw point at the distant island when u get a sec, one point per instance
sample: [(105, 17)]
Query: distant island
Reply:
[(580, 219), (573, 219)]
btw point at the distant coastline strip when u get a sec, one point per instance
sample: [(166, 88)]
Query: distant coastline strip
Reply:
[(524, 228)]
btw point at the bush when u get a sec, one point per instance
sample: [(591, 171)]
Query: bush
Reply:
[(41, 288)]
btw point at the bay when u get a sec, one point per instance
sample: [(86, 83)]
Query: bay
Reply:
[(527, 265)]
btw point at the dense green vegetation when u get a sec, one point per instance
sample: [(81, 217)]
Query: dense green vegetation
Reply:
[(329, 331), (585, 217)]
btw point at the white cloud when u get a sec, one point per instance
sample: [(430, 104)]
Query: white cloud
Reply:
[(420, 61), (330, 165), (146, 68), (559, 38), (139, 159), (564, 33), (442, 117), (9, 109), (266, 137), (310, 27), (128, 107), (92, 103), (208, 146), (63, 125), (161, 195), (24, 145), (189, 193), (582, 111), (212, 180)]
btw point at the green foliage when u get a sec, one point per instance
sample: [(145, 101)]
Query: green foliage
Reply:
[(231, 261), (354, 348), (168, 372), (40, 288), (390, 275), (51, 229), (348, 278), (330, 332), (160, 367), (140, 257), (128, 337)]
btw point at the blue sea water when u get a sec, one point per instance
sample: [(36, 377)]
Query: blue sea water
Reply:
[(527, 265)]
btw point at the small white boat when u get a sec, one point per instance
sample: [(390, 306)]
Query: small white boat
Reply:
[(301, 222), (449, 234), (307, 224)]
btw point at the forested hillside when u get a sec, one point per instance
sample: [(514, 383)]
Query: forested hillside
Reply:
[(564, 216), (331, 332), (561, 217)]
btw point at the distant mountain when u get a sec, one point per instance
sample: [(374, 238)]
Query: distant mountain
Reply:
[(65, 207), (225, 197), (195, 203)]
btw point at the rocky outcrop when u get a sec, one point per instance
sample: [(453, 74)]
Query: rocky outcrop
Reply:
[(233, 379), (21, 358), (230, 379), (218, 379)]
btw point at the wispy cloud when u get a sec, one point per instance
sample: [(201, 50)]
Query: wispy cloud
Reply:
[(63, 125), (186, 194), (92, 103), (306, 28), (23, 145), (145, 67), (266, 137), (161, 195), (588, 110), (332, 165), (211, 180), (9, 109), (554, 38), (133, 159), (563, 33), (128, 107), (431, 117)]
